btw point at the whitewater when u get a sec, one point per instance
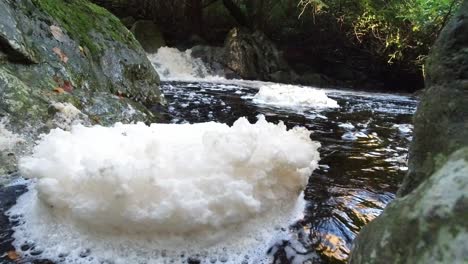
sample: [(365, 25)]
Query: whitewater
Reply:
[(134, 193)]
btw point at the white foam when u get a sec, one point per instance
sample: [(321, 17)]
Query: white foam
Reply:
[(130, 191), (352, 136), (291, 96), (347, 126), (404, 128)]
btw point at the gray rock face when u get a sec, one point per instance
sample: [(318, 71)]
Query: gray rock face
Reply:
[(441, 122), (254, 56), (149, 35), (427, 223), (70, 52), (246, 55), (426, 226)]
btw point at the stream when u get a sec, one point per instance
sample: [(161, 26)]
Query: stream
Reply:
[(364, 147), (364, 154)]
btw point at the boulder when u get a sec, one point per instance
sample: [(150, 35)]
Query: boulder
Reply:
[(128, 21), (426, 226), (251, 55), (214, 59), (149, 35), (441, 122), (427, 222), (73, 53)]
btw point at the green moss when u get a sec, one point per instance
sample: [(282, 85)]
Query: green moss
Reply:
[(80, 19)]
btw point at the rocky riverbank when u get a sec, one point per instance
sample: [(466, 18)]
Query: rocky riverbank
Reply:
[(427, 222), (60, 59)]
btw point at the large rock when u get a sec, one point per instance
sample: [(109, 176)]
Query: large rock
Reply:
[(441, 122), (427, 223), (149, 35), (73, 52), (252, 55)]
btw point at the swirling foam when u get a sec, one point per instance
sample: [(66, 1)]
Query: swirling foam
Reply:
[(133, 193), (291, 96)]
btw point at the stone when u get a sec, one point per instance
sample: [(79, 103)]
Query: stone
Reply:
[(149, 35), (427, 222), (441, 121), (253, 56), (426, 226), (73, 52)]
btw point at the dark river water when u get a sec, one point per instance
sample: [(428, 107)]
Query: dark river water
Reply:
[(364, 152)]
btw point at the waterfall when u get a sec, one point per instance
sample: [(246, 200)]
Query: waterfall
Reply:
[(175, 65)]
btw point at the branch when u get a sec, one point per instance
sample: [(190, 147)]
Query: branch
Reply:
[(447, 16)]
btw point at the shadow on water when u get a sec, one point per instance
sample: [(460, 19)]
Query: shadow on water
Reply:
[(364, 149)]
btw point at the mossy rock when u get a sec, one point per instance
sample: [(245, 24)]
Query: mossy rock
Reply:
[(426, 226), (252, 55), (427, 222), (76, 52), (149, 35), (441, 121)]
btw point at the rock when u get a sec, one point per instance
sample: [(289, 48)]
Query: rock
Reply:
[(149, 35), (11, 40), (213, 57), (314, 79), (283, 76), (128, 21), (426, 226), (427, 222), (253, 56), (72, 52), (441, 122)]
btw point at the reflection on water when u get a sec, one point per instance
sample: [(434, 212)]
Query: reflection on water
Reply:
[(364, 149), (364, 153)]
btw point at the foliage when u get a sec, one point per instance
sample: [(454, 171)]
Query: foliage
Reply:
[(401, 30)]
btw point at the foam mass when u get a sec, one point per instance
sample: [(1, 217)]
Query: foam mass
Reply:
[(292, 96), (164, 186)]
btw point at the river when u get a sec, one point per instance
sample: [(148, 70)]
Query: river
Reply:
[(364, 145)]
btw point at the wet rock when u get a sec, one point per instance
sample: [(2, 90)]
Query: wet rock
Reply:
[(426, 226), (314, 79), (149, 35), (213, 57), (427, 222), (254, 56), (441, 122), (12, 43), (128, 21), (72, 52)]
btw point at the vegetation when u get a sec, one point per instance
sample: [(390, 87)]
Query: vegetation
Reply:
[(70, 15), (359, 42), (401, 30)]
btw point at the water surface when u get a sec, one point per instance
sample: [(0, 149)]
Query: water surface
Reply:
[(364, 152)]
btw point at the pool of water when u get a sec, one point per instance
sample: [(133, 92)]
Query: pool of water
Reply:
[(364, 153)]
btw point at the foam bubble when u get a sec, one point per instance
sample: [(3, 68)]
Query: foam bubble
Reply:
[(292, 96), (128, 193)]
